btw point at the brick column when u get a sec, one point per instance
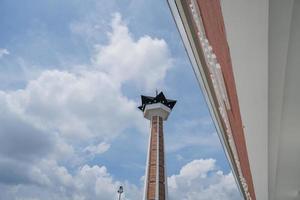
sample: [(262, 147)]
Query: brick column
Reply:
[(156, 184)]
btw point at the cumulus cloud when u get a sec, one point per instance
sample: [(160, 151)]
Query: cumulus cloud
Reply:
[(81, 106), (201, 180), (144, 61), (87, 183), (4, 52), (90, 102), (48, 127), (87, 105), (18, 137), (197, 180)]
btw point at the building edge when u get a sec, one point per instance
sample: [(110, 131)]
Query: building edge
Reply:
[(216, 80)]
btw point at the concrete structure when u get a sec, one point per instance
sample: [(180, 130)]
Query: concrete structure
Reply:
[(156, 109), (245, 55)]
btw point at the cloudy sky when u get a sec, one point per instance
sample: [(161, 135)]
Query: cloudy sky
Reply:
[(71, 75)]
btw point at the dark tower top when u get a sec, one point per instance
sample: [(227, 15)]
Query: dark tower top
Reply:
[(160, 98)]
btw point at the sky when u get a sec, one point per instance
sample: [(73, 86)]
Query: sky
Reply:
[(71, 74)]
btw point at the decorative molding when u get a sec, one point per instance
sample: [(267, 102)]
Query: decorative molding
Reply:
[(217, 79)]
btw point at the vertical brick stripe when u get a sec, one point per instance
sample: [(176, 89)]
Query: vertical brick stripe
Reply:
[(156, 124), (161, 161), (151, 185)]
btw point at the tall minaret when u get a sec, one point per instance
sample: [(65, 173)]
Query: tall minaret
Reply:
[(156, 109)]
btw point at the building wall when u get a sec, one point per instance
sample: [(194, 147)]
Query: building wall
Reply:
[(246, 24)]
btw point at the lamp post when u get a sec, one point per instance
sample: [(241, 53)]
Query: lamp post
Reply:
[(120, 191)]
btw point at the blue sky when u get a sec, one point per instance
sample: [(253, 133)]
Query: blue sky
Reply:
[(72, 73)]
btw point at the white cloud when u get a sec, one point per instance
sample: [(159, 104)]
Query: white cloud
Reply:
[(86, 107), (200, 180), (48, 126), (4, 52), (97, 149), (87, 183), (144, 61), (90, 26), (197, 180), (90, 102), (19, 138)]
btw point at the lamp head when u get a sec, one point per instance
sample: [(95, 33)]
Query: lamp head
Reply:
[(120, 190)]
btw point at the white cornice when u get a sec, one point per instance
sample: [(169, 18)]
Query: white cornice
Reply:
[(156, 109), (216, 77)]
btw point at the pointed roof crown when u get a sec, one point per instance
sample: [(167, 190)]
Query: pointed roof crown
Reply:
[(160, 98)]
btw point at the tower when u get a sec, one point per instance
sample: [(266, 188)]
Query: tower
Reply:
[(156, 109)]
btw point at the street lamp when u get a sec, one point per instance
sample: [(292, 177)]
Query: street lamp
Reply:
[(120, 191)]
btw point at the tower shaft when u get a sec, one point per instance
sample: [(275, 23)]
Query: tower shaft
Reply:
[(156, 184), (156, 109)]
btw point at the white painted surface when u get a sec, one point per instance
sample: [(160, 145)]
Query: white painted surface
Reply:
[(268, 90), (246, 25), (279, 34), (288, 159), (157, 109)]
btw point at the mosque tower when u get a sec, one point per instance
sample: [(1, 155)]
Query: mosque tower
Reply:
[(156, 109)]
